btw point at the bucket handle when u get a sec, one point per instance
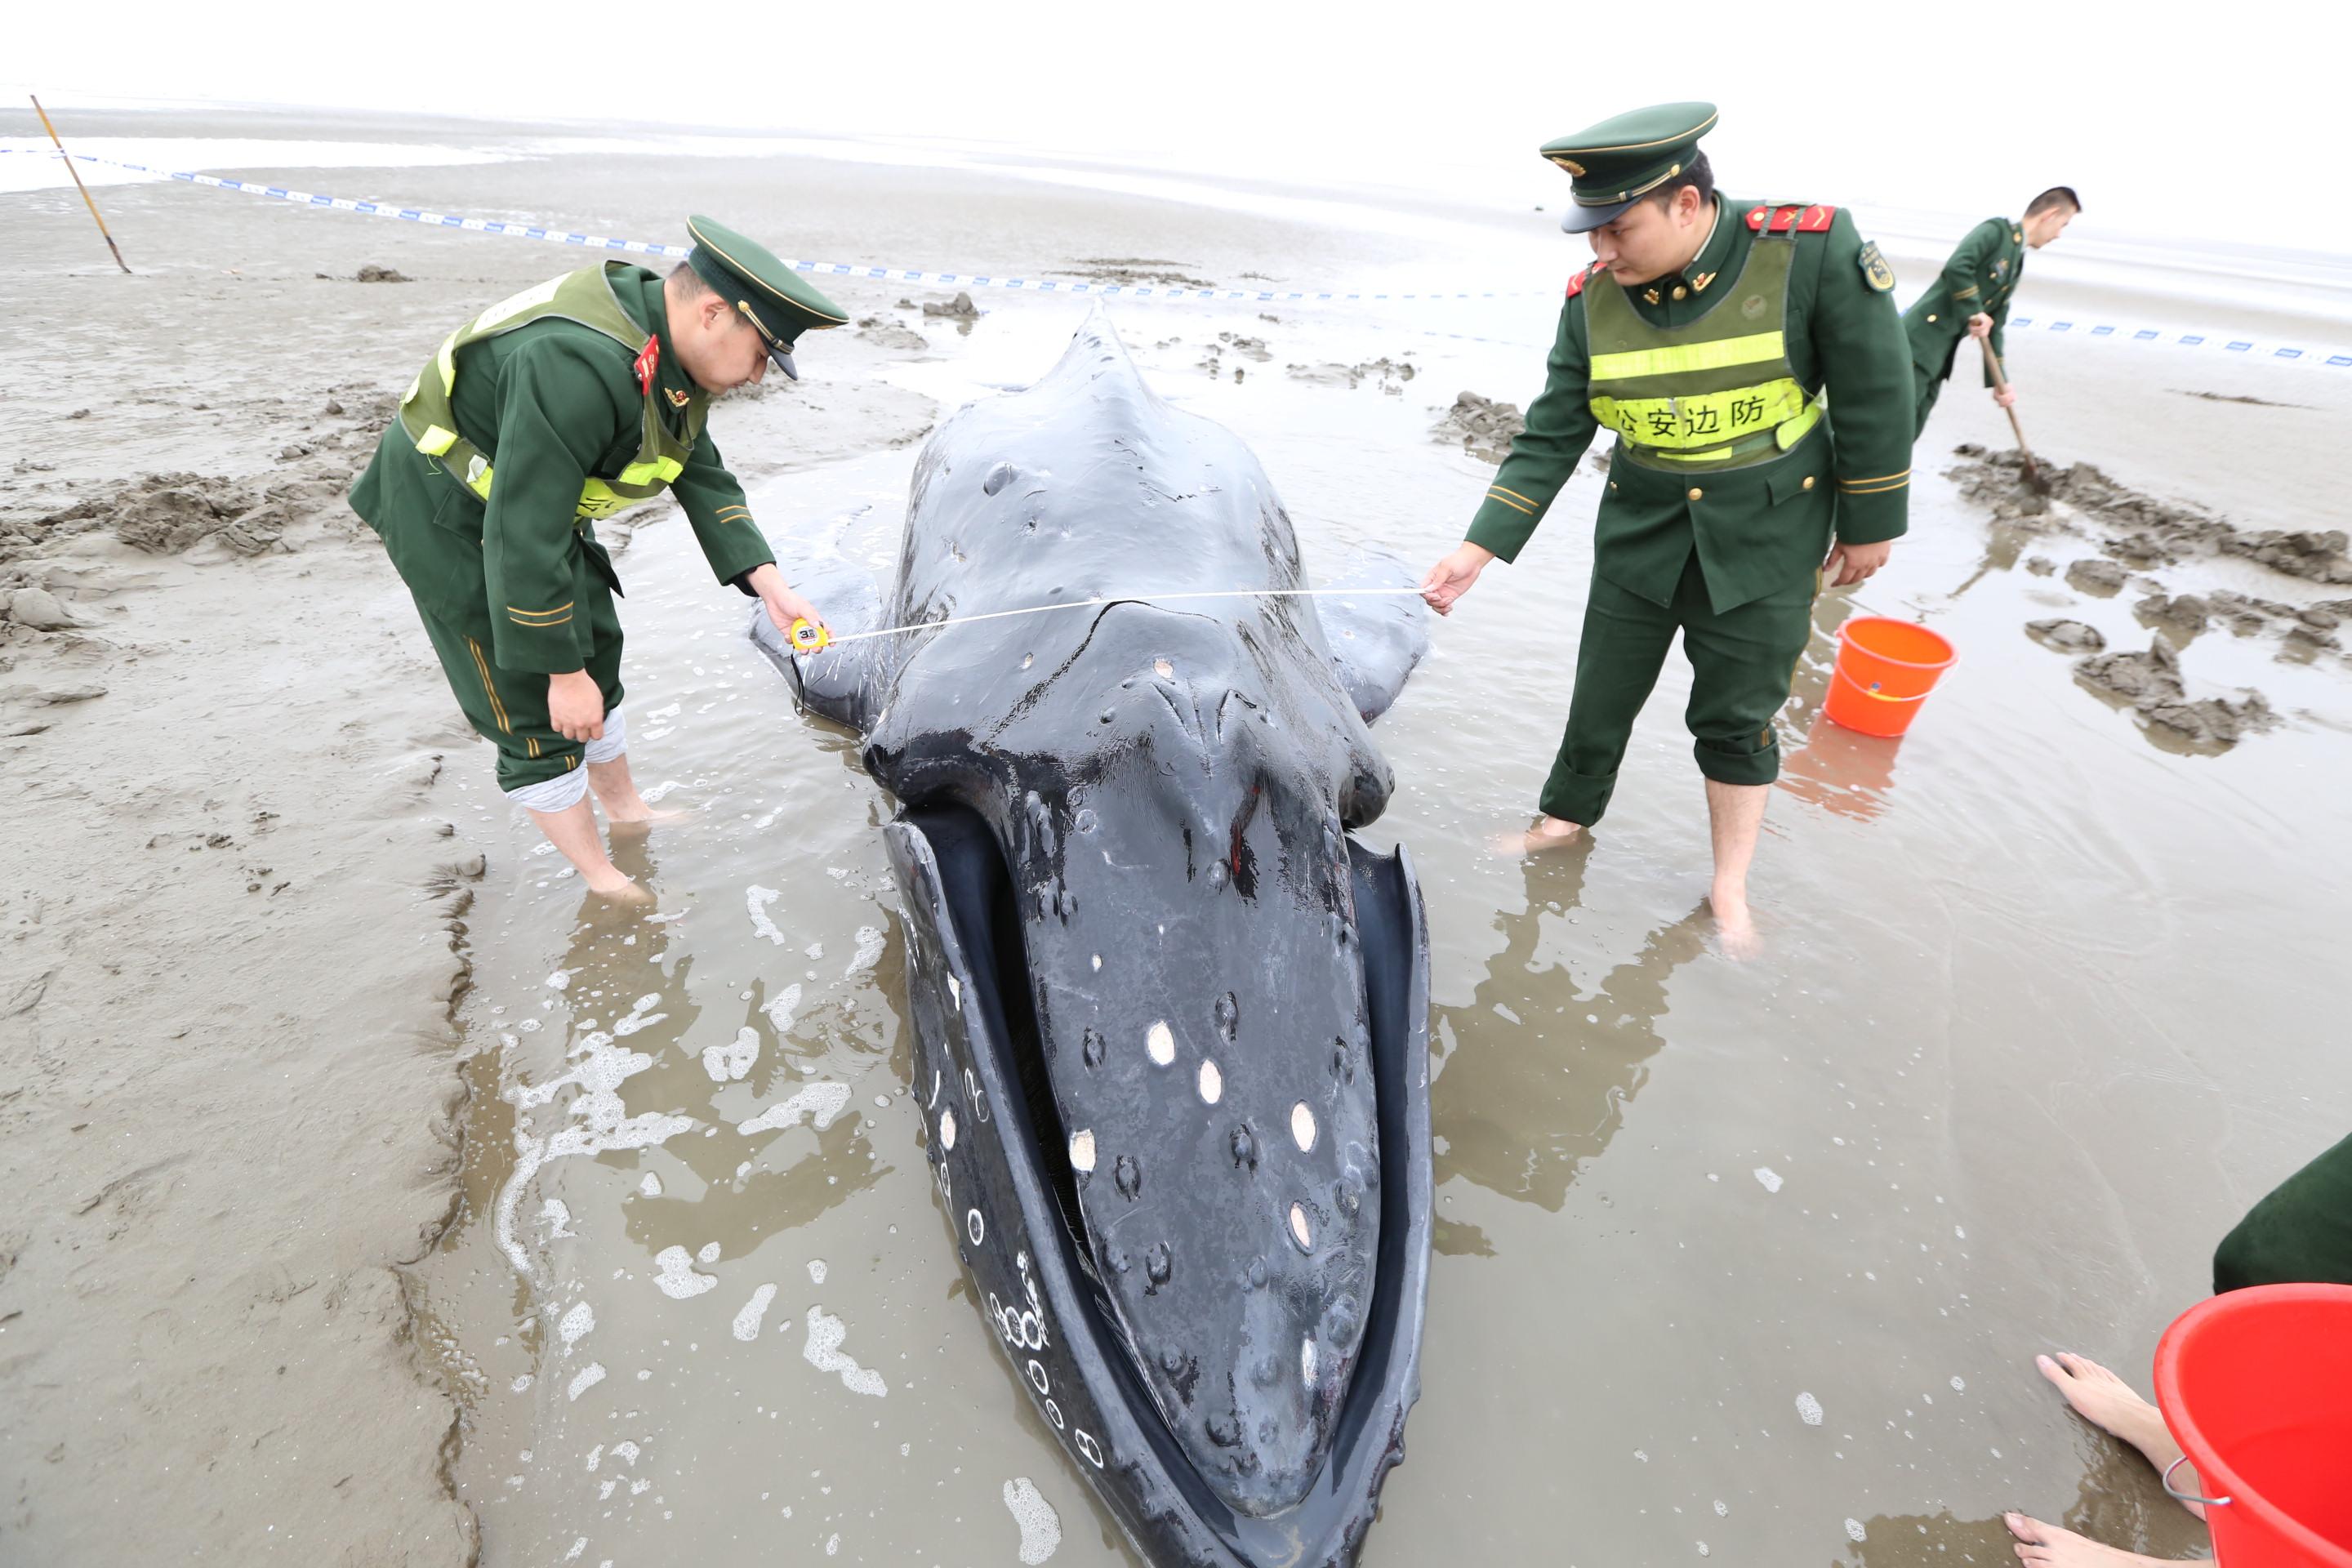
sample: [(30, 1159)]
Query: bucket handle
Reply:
[(2186, 1497), (1873, 692)]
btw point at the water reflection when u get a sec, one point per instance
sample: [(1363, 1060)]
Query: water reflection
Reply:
[(1535, 1073), (2117, 1503), (1840, 770), (2004, 541)]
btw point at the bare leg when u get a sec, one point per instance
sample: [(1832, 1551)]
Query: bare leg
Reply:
[(1549, 833), (573, 830), (1735, 815), (616, 792), (2110, 1404), (2047, 1546)]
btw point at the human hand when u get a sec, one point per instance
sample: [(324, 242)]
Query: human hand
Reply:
[(575, 706), (1980, 325), (1451, 578), (784, 607), (1851, 563), (2005, 394)]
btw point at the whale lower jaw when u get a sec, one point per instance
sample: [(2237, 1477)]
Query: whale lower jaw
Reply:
[(1000, 1164)]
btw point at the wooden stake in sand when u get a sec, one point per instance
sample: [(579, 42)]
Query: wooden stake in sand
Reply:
[(79, 186)]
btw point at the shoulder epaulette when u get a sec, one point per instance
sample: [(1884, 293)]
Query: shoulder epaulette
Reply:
[(1814, 219), (1576, 284)]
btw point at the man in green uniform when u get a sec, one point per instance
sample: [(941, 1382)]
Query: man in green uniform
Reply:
[(548, 411), (1970, 296), (1704, 336)]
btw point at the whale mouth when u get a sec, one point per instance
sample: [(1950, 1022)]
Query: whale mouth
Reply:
[(1012, 1198)]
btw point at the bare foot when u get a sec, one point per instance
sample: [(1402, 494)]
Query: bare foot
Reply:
[(627, 891), (1550, 833), (1734, 924), (2114, 1406), (2046, 1544)]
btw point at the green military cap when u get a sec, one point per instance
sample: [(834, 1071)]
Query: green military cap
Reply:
[(776, 300), (1619, 160)]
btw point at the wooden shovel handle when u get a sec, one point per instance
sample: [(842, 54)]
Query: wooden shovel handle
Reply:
[(2000, 383)]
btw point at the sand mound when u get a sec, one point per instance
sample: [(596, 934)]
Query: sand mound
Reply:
[(2149, 684), (1482, 426), (2147, 531)]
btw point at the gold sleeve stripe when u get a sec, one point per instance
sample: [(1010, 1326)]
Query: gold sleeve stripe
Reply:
[(744, 510), (1965, 292), (1873, 489), (541, 626), (1874, 479), (1505, 489), (554, 617), (1509, 502)]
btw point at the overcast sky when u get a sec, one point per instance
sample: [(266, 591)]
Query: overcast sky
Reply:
[(2170, 119)]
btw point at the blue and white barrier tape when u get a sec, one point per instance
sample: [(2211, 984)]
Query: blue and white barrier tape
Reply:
[(2333, 358), (2249, 347), (816, 269)]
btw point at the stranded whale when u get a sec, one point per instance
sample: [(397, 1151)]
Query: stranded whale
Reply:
[(1171, 1018)]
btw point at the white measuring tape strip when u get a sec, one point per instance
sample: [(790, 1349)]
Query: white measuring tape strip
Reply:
[(816, 269), (808, 638)]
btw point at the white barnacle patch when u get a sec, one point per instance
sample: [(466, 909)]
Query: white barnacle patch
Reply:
[(1082, 1148), (1302, 1126), (975, 1227), (1212, 1083), (1306, 1361), (1160, 1042), (947, 1127), (1299, 1231), (1162, 669)]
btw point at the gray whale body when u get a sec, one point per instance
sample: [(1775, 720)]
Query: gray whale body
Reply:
[(1170, 1019)]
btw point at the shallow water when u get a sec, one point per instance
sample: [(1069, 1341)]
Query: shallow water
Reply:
[(1741, 1259)]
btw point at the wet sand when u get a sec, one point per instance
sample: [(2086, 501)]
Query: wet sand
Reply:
[(2045, 1002)]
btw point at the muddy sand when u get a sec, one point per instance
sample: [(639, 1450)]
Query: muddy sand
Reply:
[(1736, 1258)]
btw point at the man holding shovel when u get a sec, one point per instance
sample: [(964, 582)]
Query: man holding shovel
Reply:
[(1970, 298)]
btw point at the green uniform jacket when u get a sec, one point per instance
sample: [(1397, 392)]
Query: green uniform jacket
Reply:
[(550, 404), (1980, 276), (1758, 530)]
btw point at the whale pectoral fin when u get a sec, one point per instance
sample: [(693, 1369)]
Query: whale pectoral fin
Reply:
[(832, 682), (1375, 640)]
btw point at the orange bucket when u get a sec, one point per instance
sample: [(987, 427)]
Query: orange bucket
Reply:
[(1884, 670)]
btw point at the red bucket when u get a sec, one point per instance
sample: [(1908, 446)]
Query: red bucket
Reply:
[(2256, 1386), (1884, 670)]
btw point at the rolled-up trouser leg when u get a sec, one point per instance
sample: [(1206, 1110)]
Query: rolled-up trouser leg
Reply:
[(1617, 662), (2299, 1234), (562, 792), (1742, 662)]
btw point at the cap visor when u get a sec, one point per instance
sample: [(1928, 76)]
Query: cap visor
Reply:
[(1584, 220), (782, 358)]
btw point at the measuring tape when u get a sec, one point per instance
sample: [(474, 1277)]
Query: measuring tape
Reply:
[(807, 636)]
